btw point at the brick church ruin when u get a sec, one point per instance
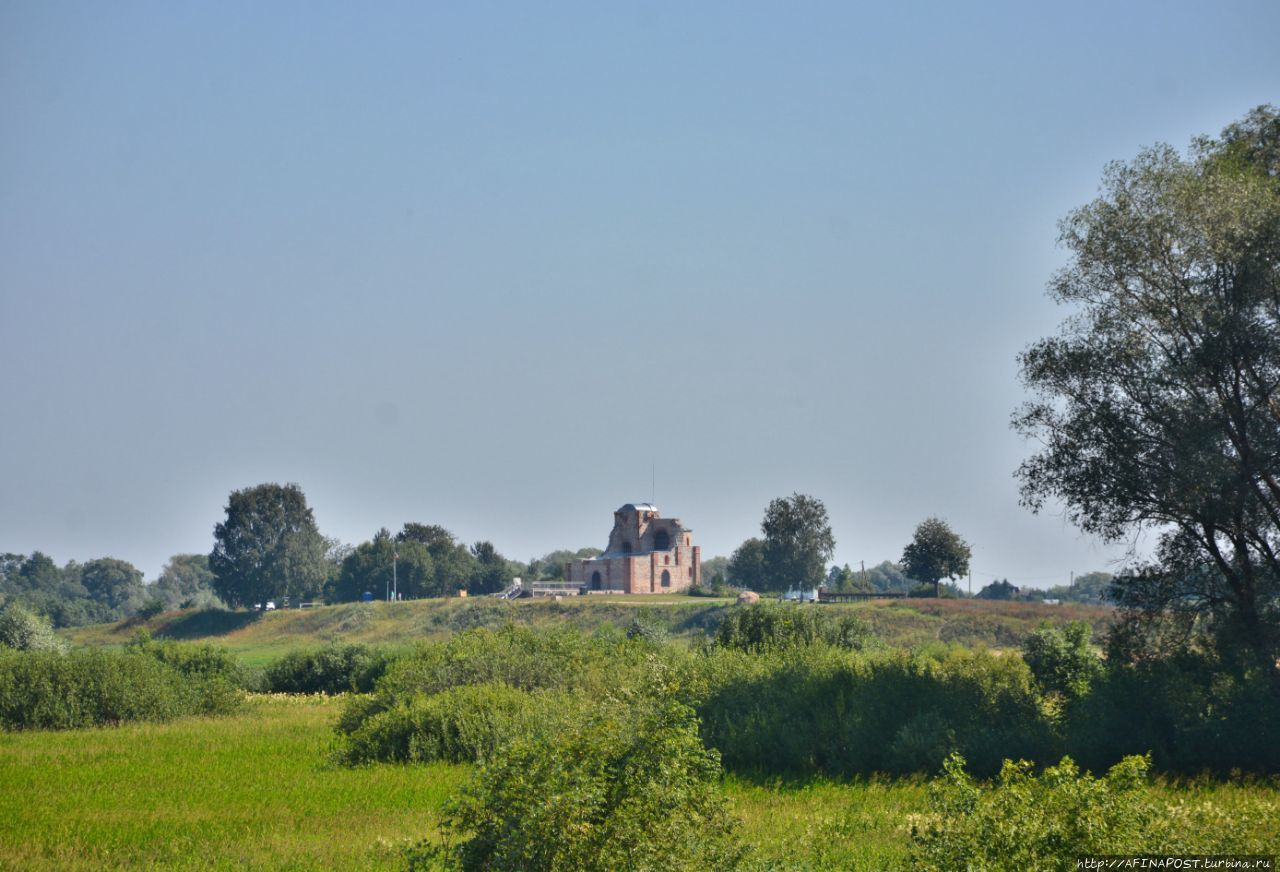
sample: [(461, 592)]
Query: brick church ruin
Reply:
[(646, 554)]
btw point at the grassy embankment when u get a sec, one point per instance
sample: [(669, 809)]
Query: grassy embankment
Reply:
[(258, 638), (255, 790)]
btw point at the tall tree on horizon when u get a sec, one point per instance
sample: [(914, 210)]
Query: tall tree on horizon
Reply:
[(267, 548)]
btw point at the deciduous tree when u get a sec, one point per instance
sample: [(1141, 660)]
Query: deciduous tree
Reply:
[(117, 584), (1158, 402), (268, 547), (934, 553), (798, 542)]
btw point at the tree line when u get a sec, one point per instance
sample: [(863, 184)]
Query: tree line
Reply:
[(268, 548)]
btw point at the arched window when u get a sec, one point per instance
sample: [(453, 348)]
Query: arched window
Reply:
[(595, 581), (666, 578), (661, 541)]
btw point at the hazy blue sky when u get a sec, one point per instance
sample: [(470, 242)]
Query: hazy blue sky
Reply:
[(487, 265)]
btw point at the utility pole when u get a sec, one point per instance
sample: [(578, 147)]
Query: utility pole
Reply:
[(395, 581)]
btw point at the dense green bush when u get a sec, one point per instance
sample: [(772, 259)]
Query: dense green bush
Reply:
[(198, 661), (1025, 821), (461, 724), (648, 627), (521, 657), (824, 709), (1029, 822), (1189, 711), (25, 631), (769, 626), (628, 786), (50, 690), (515, 657), (332, 669), (1062, 660)]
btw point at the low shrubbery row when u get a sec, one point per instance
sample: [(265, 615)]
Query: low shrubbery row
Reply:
[(55, 690), (1027, 821), (785, 697), (333, 669)]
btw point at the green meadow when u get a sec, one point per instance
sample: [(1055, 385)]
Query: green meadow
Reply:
[(256, 790), (261, 788)]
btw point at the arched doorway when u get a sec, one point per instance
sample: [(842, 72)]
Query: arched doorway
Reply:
[(666, 578), (595, 581)]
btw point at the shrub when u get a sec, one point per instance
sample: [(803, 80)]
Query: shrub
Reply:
[(199, 661), (648, 627), (25, 631), (1062, 660), (1189, 711), (332, 669), (823, 709), (771, 626), (151, 608), (523, 658), (1030, 822), (626, 787), (461, 725), (47, 690), (515, 657)]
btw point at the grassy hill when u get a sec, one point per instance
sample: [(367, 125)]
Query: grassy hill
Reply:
[(259, 637)]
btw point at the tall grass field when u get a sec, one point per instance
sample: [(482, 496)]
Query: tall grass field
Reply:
[(256, 790)]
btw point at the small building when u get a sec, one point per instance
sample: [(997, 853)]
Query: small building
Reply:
[(646, 554)]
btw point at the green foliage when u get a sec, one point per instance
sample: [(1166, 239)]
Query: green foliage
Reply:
[(998, 590), (1188, 711), (888, 577), (843, 579), (203, 662), (551, 566), (151, 608), (772, 626), (1062, 660), (746, 568), (521, 657), (648, 627), (1092, 588), (1026, 821), (1156, 401), (464, 724), (40, 586), (934, 553), (492, 572), (798, 542), (268, 547), (454, 565), (821, 709), (114, 583), (186, 582), (625, 787), (715, 571), (332, 669), (247, 791), (49, 690), (24, 631)]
